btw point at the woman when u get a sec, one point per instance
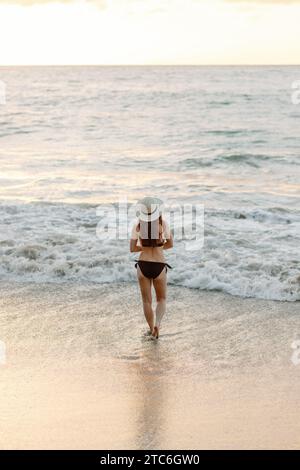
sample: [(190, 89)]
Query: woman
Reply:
[(151, 236)]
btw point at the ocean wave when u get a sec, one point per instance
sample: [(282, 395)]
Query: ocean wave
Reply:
[(248, 279), (251, 159), (248, 253), (271, 215)]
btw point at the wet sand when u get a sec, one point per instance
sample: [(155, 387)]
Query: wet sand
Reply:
[(81, 373)]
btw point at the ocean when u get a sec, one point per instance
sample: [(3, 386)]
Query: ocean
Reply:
[(76, 140)]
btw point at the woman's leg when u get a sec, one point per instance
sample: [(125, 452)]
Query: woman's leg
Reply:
[(160, 286), (145, 287)]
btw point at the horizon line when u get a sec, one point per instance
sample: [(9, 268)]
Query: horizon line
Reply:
[(152, 65)]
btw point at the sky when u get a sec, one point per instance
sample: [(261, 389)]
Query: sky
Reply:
[(163, 32)]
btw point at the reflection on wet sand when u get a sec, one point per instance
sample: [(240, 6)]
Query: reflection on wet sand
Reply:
[(151, 376)]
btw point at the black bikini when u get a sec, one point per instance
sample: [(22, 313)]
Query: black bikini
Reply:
[(151, 269)]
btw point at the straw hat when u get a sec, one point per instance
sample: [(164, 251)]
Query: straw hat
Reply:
[(149, 208)]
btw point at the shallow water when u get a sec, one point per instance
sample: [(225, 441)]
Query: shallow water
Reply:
[(81, 371), (210, 333)]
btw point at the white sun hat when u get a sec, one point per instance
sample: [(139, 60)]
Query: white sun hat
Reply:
[(149, 208)]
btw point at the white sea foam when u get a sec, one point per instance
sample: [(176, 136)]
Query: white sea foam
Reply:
[(241, 256)]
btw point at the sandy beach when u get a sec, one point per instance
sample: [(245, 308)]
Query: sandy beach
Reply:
[(157, 132), (81, 372)]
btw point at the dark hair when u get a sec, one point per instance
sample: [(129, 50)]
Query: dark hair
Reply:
[(150, 235)]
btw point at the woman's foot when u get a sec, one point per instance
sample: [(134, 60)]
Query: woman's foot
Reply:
[(155, 332)]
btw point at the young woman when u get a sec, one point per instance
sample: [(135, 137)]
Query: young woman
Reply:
[(151, 236)]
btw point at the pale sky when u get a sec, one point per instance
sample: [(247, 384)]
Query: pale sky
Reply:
[(149, 32)]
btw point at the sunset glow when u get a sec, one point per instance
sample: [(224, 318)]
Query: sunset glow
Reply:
[(149, 32)]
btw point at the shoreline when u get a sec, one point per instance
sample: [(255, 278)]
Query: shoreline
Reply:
[(15, 282)]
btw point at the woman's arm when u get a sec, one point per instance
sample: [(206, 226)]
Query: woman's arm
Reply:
[(167, 235), (134, 248), (169, 243)]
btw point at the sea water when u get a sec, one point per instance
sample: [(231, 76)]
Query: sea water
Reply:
[(74, 141)]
